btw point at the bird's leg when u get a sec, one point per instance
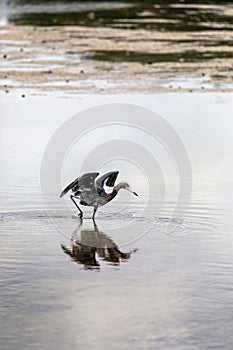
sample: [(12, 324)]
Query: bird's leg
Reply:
[(77, 230), (93, 216), (80, 211)]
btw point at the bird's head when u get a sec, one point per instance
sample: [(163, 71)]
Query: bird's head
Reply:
[(125, 186)]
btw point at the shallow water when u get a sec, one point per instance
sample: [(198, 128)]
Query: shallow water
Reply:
[(155, 290)]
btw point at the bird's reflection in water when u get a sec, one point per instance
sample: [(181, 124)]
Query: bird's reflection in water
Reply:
[(89, 244)]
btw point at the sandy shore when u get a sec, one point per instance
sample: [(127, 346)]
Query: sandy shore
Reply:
[(107, 60)]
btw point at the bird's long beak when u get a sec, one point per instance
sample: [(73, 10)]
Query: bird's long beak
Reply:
[(133, 192)]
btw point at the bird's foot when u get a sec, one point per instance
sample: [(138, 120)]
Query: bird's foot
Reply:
[(80, 216)]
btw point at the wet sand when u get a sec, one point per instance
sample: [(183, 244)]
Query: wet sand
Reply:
[(76, 59)]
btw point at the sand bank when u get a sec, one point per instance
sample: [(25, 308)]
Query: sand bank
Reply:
[(108, 60)]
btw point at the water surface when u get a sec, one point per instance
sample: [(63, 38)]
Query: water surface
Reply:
[(160, 291)]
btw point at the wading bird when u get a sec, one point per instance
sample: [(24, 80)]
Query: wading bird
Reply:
[(89, 188)]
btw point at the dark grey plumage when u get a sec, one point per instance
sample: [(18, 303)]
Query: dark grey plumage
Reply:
[(82, 183), (89, 188)]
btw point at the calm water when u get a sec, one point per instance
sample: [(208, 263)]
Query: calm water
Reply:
[(160, 291)]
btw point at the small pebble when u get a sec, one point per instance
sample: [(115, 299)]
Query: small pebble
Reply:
[(91, 15), (4, 56), (149, 62), (81, 71), (7, 91), (23, 95), (67, 81)]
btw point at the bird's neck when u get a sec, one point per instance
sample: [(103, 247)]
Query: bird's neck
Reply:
[(106, 199), (112, 194), (117, 188)]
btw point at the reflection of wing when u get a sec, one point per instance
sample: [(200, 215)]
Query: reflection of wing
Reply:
[(95, 238), (105, 247), (83, 183), (83, 255), (110, 177)]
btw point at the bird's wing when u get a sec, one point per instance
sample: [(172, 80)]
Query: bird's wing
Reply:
[(87, 182), (84, 183), (72, 186), (110, 179)]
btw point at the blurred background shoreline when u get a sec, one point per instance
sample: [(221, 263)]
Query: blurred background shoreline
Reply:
[(116, 46)]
